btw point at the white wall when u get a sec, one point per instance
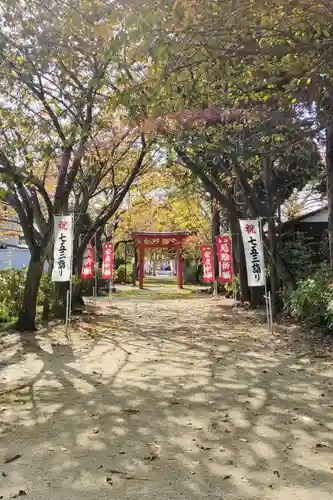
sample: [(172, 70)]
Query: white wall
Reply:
[(14, 257), (13, 238)]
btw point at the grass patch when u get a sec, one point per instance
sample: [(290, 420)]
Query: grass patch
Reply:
[(165, 281)]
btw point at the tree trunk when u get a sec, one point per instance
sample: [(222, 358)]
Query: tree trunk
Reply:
[(27, 317), (59, 305), (216, 222), (238, 249), (99, 246), (257, 209), (77, 298), (239, 258), (329, 168), (245, 295), (272, 239)]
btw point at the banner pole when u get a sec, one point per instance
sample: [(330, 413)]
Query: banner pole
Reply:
[(265, 279), (270, 311), (234, 291), (70, 296), (67, 314), (95, 266), (71, 281)]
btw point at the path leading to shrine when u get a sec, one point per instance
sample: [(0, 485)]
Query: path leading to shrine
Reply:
[(159, 398)]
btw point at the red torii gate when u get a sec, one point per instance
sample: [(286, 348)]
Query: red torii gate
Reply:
[(174, 240)]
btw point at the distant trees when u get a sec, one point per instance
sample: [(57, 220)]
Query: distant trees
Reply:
[(57, 148)]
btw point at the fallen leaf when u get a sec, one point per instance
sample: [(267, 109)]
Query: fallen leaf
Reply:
[(20, 493), (151, 457), (132, 411), (322, 445), (10, 458)]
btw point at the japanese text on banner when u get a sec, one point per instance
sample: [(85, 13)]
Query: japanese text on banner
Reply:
[(87, 270), (107, 263), (208, 263), (63, 248), (224, 255), (254, 254)]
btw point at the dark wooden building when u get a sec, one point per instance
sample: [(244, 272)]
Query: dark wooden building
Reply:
[(313, 225)]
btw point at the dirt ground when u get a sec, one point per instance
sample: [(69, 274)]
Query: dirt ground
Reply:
[(166, 399)]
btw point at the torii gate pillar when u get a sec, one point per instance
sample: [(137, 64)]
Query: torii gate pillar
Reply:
[(179, 268), (141, 266)]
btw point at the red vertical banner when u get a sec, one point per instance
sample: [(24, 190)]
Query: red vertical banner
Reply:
[(224, 256), (208, 263), (107, 262), (88, 266)]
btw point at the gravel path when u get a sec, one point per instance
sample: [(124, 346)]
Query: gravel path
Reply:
[(178, 399)]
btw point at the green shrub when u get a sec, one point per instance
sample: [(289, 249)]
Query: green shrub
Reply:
[(300, 255), (11, 292), (190, 273), (46, 290), (12, 283), (312, 301), (4, 314), (227, 288), (120, 274)]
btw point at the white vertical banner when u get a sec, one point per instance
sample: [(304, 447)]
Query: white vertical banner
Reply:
[(63, 248), (254, 254)]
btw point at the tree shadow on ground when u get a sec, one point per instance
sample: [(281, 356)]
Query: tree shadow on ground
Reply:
[(172, 401)]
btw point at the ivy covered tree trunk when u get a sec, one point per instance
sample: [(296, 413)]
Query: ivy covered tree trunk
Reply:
[(27, 317)]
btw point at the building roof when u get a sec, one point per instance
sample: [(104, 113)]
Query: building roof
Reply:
[(300, 218), (167, 234)]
